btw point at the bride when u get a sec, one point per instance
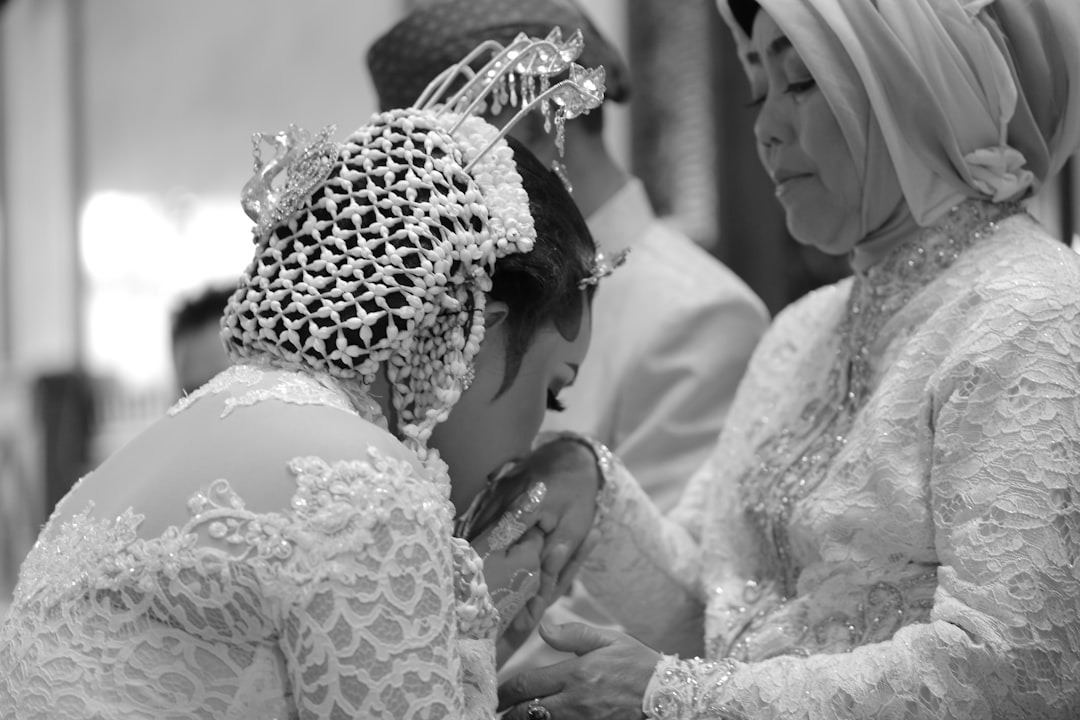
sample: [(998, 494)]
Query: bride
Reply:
[(280, 544)]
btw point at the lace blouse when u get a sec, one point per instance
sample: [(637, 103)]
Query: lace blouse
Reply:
[(312, 575), (894, 534)]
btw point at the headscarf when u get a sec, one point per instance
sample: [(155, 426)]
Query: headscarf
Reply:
[(972, 98), (409, 55)]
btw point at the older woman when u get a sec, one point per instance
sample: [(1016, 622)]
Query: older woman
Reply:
[(889, 526)]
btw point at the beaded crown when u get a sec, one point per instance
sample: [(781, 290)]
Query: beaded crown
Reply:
[(377, 252)]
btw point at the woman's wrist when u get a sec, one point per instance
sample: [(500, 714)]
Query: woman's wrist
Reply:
[(604, 460), (688, 688)]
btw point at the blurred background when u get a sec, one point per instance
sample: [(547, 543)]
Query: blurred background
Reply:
[(125, 137)]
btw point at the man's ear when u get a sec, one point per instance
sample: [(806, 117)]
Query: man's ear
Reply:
[(495, 314)]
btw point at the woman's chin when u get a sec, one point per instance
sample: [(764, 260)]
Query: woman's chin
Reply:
[(832, 240)]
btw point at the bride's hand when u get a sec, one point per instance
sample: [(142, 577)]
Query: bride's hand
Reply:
[(512, 549)]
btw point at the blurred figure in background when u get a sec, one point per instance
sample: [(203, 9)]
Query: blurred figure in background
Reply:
[(673, 329), (664, 363), (197, 350)]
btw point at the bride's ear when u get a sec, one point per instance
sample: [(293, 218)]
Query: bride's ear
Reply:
[(495, 314)]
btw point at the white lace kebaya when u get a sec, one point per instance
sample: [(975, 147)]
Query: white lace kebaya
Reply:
[(893, 534), (346, 595)]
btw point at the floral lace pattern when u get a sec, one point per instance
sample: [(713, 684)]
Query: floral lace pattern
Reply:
[(352, 601), (297, 388), (246, 374), (924, 565)]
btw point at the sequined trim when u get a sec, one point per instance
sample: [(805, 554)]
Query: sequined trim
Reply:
[(680, 689), (606, 464), (82, 547)]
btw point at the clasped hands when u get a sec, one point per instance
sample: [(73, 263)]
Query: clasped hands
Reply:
[(532, 532), (531, 554)]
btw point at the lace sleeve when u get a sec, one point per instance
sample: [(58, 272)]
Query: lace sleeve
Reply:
[(645, 569), (372, 631), (1003, 638)]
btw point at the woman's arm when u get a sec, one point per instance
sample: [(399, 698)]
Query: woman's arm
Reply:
[(645, 568)]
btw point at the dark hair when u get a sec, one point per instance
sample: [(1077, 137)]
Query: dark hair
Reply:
[(206, 307), (542, 285)]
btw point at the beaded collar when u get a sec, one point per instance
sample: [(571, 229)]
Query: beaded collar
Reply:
[(794, 461)]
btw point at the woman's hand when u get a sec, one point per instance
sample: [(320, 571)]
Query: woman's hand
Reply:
[(607, 679), (512, 549), (568, 469), (562, 480)]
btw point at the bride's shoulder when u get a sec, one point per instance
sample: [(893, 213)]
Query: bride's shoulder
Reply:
[(267, 431), (281, 413)]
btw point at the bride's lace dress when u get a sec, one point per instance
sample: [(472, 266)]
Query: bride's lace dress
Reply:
[(895, 535), (266, 551)]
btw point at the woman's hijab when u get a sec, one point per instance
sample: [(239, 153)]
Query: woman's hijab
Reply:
[(951, 98)]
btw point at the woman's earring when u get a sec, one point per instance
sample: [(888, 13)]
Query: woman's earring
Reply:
[(468, 377)]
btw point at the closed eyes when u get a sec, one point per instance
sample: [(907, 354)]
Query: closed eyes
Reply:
[(795, 88)]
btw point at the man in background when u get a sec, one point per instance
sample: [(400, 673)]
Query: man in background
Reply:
[(197, 350), (673, 329)]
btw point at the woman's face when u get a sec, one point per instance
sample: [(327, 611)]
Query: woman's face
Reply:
[(486, 428), (801, 145)]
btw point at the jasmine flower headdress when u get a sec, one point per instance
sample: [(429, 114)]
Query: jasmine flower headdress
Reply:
[(378, 252)]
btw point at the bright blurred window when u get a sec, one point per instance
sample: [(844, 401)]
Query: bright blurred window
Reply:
[(141, 255)]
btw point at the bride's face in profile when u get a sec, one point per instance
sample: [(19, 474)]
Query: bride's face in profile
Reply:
[(497, 418), (801, 145)]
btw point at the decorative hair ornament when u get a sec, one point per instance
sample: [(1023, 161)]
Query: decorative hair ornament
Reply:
[(560, 171), (602, 267), (519, 75), (305, 162), (376, 254)]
